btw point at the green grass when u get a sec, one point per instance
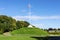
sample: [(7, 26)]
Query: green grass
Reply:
[(24, 34), (30, 31), (16, 37)]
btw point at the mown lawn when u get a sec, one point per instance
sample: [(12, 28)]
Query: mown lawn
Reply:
[(16, 37), (24, 34)]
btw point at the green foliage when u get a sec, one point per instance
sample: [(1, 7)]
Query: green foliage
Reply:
[(32, 31), (7, 23), (21, 24), (20, 27)]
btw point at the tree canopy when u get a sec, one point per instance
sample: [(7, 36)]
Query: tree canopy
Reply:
[(21, 24), (8, 24)]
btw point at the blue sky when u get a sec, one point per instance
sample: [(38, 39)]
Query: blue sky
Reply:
[(44, 13)]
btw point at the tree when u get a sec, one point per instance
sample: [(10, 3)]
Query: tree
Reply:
[(7, 23), (21, 24), (50, 29), (58, 28)]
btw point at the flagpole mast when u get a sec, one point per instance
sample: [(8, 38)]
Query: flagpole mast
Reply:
[(29, 13), (29, 10)]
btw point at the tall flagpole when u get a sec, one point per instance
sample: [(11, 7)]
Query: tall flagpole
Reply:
[(29, 13), (29, 10)]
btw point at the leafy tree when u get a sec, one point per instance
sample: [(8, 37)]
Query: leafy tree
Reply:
[(7, 23), (21, 24), (58, 28), (50, 29)]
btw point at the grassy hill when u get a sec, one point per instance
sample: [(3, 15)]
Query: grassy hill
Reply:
[(30, 31), (24, 34), (16, 37)]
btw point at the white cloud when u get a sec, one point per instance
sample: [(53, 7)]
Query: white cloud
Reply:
[(46, 26), (36, 17), (39, 25)]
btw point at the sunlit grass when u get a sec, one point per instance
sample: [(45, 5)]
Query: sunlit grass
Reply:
[(16, 37)]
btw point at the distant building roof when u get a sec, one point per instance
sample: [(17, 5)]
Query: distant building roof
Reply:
[(30, 26)]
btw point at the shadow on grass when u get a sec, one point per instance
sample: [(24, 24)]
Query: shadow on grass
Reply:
[(48, 38)]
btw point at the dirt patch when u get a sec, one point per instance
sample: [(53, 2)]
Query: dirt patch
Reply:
[(7, 34)]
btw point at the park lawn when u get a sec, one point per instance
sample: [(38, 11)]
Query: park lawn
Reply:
[(24, 34), (16, 37)]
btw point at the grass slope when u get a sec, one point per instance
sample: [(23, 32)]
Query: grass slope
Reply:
[(16, 37), (24, 34), (31, 31)]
